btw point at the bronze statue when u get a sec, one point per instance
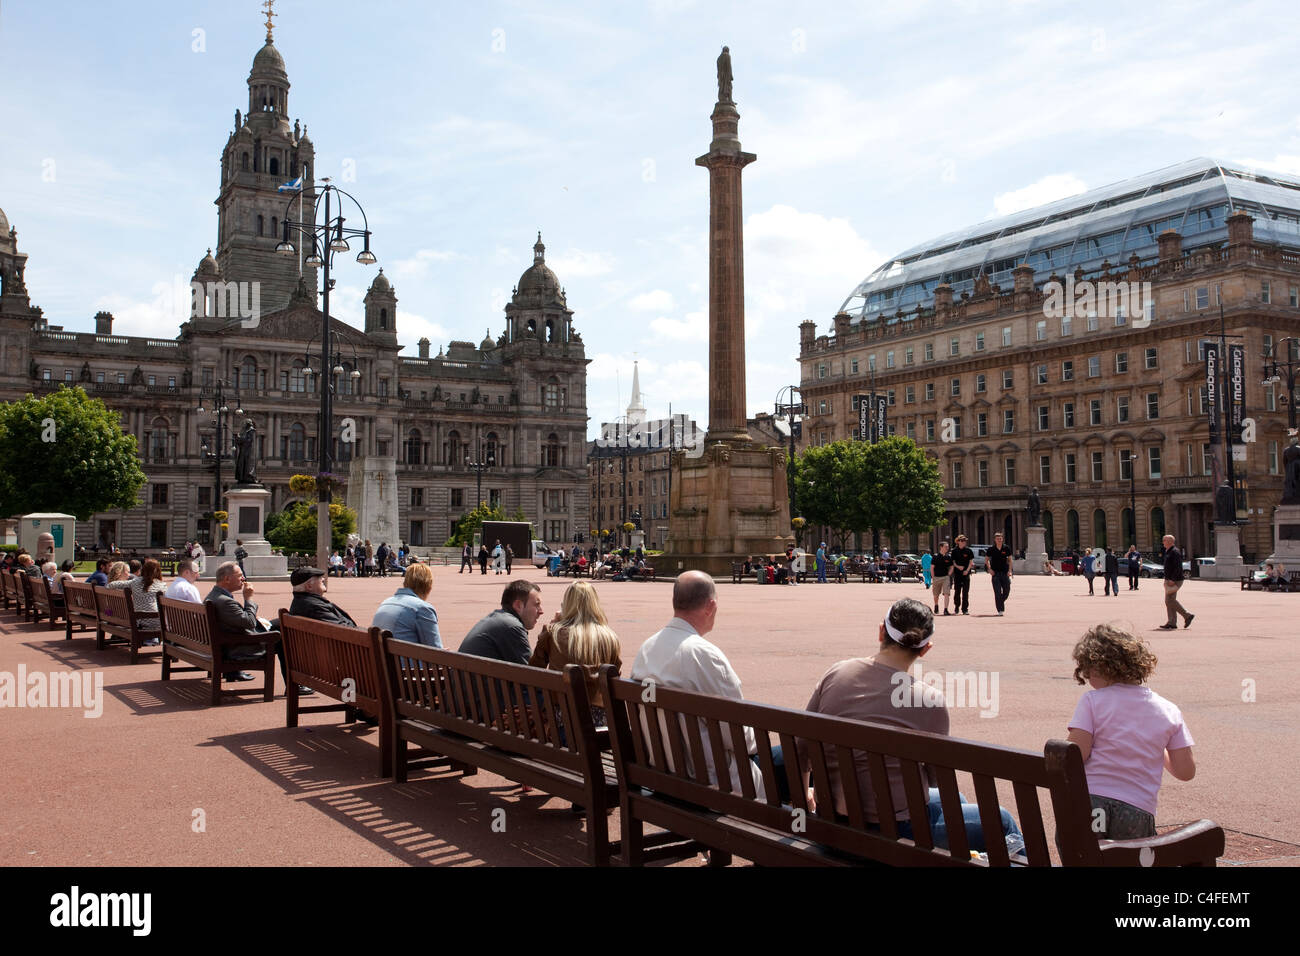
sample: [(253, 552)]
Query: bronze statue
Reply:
[(245, 465), (1034, 508), (724, 76), (1291, 471), (1225, 505)]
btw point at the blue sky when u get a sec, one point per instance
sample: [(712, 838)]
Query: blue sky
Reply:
[(472, 126)]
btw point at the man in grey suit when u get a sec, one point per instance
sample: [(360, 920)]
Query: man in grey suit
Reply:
[(235, 619)]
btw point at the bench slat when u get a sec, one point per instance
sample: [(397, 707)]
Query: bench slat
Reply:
[(714, 730), (917, 803), (950, 801), (696, 743), (740, 746), (844, 757), (1030, 815), (880, 789), (821, 778), (986, 793)]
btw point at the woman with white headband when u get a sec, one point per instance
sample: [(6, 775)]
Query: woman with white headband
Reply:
[(881, 689)]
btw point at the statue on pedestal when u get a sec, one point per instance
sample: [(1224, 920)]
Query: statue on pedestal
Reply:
[(245, 465), (724, 76), (1291, 471), (1225, 505), (1034, 508)]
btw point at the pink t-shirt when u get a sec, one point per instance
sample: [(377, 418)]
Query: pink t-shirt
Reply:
[(1132, 726)]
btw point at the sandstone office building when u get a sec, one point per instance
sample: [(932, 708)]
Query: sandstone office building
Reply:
[(959, 331), (517, 402)]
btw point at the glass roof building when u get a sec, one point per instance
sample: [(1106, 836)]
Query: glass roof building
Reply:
[(1112, 223)]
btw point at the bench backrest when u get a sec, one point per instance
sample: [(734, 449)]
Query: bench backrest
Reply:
[(186, 623), (116, 608), (329, 654), (23, 582), (7, 584), (530, 711), (672, 762), (79, 598), (41, 593)]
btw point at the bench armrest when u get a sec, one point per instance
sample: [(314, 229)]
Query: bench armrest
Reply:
[(1196, 844)]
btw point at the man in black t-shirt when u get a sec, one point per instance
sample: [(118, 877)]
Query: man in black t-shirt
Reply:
[(1174, 581), (963, 563), (941, 575), (999, 561)]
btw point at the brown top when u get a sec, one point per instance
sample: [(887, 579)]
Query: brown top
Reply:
[(552, 652), (864, 689)]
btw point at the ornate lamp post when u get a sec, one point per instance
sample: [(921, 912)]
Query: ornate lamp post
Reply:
[(1276, 371), (328, 237), (220, 407), (1132, 493), (788, 410), (479, 462)]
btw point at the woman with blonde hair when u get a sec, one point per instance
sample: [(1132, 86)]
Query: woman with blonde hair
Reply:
[(580, 634)]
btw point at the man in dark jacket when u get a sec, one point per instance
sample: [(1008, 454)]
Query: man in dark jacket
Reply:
[(1173, 581), (482, 558), (238, 619), (998, 558), (1112, 572), (381, 559), (503, 634), (466, 559), (309, 587), (963, 564)]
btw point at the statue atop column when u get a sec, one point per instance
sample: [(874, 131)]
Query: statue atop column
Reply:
[(724, 76), (1291, 471), (1034, 508), (1225, 507), (245, 447)]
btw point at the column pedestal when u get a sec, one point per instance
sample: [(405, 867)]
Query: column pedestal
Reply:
[(1286, 536), (246, 505), (1035, 552), (1228, 565)]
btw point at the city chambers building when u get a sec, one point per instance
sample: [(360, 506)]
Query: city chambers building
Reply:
[(1098, 406), (515, 405)]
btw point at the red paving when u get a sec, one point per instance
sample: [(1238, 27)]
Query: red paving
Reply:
[(162, 779)]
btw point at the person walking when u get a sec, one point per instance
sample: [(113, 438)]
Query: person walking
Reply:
[(999, 562), (1111, 570), (1134, 566), (963, 563), (941, 571), (927, 561), (1174, 577), (466, 559), (821, 563), (1090, 569), (510, 559), (482, 558)]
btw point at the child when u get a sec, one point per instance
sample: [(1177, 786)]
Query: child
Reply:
[(1127, 733)]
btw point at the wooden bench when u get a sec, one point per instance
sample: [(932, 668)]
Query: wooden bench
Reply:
[(7, 596), (120, 622), (1248, 583), (26, 597), (527, 724), (80, 608), (663, 780), (190, 633), (44, 603), (325, 656)]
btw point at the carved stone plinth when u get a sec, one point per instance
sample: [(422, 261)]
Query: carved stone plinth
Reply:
[(1035, 552), (1227, 565), (246, 506), (372, 494), (1286, 536)]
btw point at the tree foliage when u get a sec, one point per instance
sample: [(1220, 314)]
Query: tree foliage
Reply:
[(294, 529), (66, 452), (469, 524), (890, 486)]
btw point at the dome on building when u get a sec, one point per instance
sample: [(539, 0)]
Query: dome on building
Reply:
[(208, 266), (487, 344), (538, 278), (269, 60), (4, 223), (381, 283)]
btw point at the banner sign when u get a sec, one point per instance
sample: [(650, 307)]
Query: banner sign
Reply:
[(864, 417), (1212, 389), (1236, 394), (882, 408)]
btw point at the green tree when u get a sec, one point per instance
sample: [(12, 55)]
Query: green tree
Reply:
[(294, 529), (66, 452), (469, 524), (827, 484), (901, 491)]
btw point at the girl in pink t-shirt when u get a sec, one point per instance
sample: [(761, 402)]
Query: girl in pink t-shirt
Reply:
[(1128, 733)]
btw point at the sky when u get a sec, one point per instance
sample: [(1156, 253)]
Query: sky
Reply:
[(464, 129)]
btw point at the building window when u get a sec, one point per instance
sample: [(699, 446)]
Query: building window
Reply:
[(417, 497), (1272, 458), (979, 341), (494, 498), (1099, 528), (956, 387), (1121, 409), (1067, 371), (929, 429), (1270, 399), (1040, 330), (417, 534), (821, 370), (67, 375), (956, 427), (552, 456), (889, 359), (1069, 467), (383, 387), (152, 381), (929, 351), (909, 356), (981, 424), (1295, 297), (909, 395), (458, 497), (1098, 466), (551, 395), (911, 430), (1121, 363), (956, 474), (46, 375), (1094, 366), (1266, 292), (1207, 459), (1009, 466), (1044, 413), (158, 533), (204, 497), (1067, 324), (929, 391), (1094, 411), (1203, 297), (1041, 375), (1125, 465), (821, 407), (1044, 469), (1092, 321), (982, 473), (954, 346), (1153, 405), (891, 396), (871, 363), (1008, 378), (1008, 421), (1120, 317), (121, 378), (853, 366), (981, 383), (160, 494), (1153, 461), (1067, 415), (1152, 358), (1006, 336)]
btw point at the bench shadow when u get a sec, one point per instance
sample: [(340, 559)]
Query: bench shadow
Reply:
[(435, 819), (82, 653), (157, 696)]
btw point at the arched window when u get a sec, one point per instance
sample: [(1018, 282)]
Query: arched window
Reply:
[(1099, 529), (550, 331), (532, 327), (248, 373), (346, 385), (275, 166), (383, 318), (243, 164), (451, 450), (158, 439), (297, 442), (297, 380), (413, 442), (261, 229), (552, 453), (491, 448), (551, 394), (275, 227), (1157, 528), (1072, 529)]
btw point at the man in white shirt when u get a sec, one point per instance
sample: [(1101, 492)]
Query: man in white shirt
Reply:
[(199, 555), (679, 657), (182, 587)]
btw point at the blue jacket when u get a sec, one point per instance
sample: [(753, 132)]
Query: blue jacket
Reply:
[(409, 618)]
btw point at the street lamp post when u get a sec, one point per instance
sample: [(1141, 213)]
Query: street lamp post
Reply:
[(480, 462), (220, 408), (1275, 372), (789, 409), (327, 237), (1132, 494)]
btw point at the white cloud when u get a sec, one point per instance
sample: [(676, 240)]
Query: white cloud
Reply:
[(1047, 189), (695, 328), (410, 329), (574, 263), (418, 265), (1278, 164), (657, 300)]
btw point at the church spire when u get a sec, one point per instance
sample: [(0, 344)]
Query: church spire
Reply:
[(636, 408)]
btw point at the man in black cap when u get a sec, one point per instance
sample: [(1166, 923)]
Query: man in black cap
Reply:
[(309, 587), (963, 563)]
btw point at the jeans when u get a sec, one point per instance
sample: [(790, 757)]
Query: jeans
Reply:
[(1001, 588), (1112, 583), (821, 572)]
